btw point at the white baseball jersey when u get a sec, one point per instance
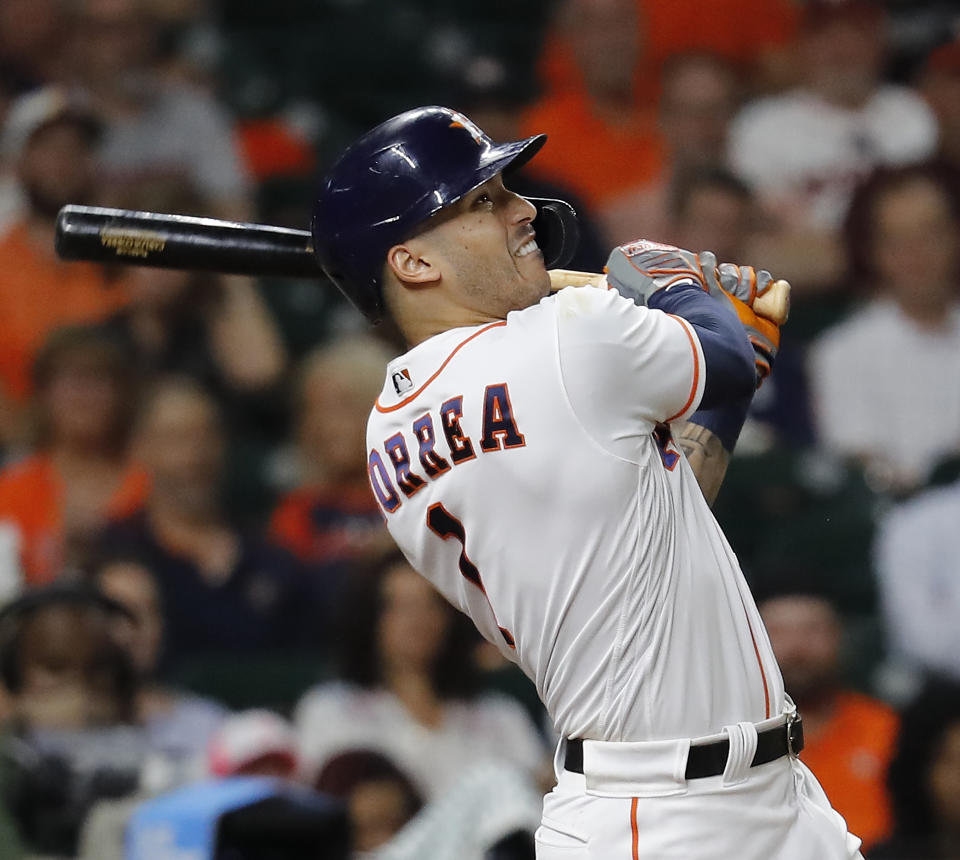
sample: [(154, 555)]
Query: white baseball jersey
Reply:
[(521, 469)]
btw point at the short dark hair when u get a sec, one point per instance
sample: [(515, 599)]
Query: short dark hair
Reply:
[(108, 353), (718, 178), (860, 222), (16, 615), (454, 674), (344, 772)]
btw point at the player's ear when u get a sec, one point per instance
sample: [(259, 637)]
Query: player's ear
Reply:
[(411, 267)]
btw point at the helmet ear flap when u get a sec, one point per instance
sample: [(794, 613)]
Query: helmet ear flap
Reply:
[(558, 232)]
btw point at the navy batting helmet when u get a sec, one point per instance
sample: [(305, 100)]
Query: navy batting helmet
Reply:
[(396, 176)]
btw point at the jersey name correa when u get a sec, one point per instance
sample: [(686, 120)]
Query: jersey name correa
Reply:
[(526, 468)]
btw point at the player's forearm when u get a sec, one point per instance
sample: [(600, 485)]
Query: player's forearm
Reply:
[(708, 439), (706, 456), (727, 354)]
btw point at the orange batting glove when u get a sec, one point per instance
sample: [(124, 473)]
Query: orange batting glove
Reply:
[(763, 334)]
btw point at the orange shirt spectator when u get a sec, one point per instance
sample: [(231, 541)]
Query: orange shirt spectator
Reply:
[(603, 130), (49, 139), (32, 496), (849, 755), (597, 156), (744, 32), (38, 293), (53, 503), (750, 34), (849, 738), (602, 66)]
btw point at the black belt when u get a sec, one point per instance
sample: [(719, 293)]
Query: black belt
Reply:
[(711, 759)]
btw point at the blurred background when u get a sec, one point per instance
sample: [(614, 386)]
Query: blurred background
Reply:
[(208, 642)]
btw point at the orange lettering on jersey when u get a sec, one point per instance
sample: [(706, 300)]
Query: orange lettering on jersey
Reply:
[(499, 428)]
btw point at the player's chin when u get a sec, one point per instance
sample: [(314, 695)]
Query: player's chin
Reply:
[(532, 267)]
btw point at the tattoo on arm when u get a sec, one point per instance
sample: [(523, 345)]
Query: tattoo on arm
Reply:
[(706, 456)]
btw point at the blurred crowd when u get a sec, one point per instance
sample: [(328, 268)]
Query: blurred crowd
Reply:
[(202, 617)]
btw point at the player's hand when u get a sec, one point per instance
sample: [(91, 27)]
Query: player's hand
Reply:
[(640, 268), (764, 336), (744, 282)]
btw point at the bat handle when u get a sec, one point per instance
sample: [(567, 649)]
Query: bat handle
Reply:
[(773, 305)]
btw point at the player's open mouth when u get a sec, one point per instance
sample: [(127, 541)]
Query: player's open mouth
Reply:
[(527, 248)]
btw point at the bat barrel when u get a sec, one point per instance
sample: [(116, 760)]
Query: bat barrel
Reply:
[(183, 242)]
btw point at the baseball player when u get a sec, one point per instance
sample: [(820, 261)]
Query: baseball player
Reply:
[(528, 455)]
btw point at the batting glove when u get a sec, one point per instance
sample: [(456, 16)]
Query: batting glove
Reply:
[(638, 269), (744, 282), (764, 336)]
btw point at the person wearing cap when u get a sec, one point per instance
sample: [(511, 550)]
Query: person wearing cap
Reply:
[(805, 150), (257, 742), (50, 137)]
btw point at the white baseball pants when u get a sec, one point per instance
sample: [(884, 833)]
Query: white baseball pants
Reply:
[(775, 811)]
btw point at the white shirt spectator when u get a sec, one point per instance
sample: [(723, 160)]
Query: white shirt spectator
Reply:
[(885, 389), (487, 803), (181, 132), (337, 716), (918, 570), (805, 155)]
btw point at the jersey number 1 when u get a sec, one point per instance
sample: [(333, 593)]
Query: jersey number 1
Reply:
[(444, 524)]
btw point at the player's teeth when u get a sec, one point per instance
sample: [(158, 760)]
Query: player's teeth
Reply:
[(527, 248)]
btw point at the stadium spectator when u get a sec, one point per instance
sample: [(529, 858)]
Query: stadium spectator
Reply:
[(873, 374), (70, 742), (224, 590), (697, 102), (605, 112), (711, 209), (215, 330), (331, 520), (940, 86), (918, 572), (256, 742), (32, 36), (848, 737), (754, 35), (489, 812), (80, 474), (50, 138), (380, 797), (925, 779), (179, 725), (153, 127), (804, 151), (409, 689)]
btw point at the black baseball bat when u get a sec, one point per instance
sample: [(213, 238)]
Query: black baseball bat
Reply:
[(183, 242)]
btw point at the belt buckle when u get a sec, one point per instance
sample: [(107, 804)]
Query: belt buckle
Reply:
[(794, 734)]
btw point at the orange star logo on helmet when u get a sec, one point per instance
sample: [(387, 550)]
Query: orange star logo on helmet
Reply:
[(469, 128)]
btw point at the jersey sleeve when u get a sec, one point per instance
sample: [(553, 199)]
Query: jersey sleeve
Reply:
[(625, 368)]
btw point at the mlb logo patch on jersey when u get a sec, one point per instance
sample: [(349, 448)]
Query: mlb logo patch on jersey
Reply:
[(401, 381)]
